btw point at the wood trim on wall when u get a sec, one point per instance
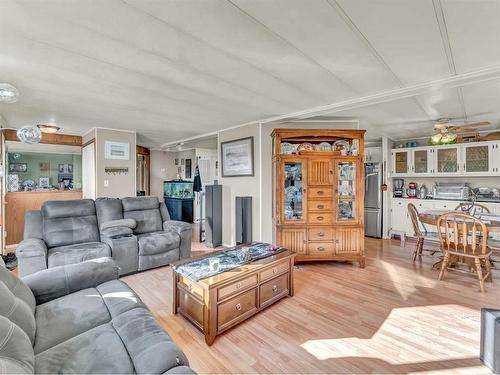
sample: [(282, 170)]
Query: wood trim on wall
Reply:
[(47, 138), (88, 142), (142, 150)]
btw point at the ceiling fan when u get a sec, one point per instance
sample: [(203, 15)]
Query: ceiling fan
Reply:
[(446, 132)]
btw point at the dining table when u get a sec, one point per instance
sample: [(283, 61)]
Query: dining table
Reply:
[(490, 220)]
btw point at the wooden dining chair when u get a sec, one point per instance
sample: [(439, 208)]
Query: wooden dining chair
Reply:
[(463, 239), (478, 208), (421, 235)]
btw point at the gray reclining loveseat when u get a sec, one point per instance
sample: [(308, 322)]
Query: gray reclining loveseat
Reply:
[(136, 232), (79, 318)]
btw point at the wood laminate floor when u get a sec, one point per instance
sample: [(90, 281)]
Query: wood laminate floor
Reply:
[(391, 317)]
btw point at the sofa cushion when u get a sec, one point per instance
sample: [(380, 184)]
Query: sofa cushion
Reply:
[(140, 203), (147, 220), (65, 317), (99, 350), (108, 209), (76, 253), (33, 224), (69, 222), (17, 311), (157, 242), (16, 352), (118, 297), (150, 348)]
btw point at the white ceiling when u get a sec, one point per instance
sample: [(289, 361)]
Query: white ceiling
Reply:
[(180, 68)]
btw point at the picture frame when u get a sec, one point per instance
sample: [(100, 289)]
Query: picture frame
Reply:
[(237, 157), (18, 167), (44, 166), (116, 150), (44, 182), (187, 172), (65, 168)]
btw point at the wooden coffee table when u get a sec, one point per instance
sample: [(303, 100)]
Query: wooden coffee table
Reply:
[(217, 303)]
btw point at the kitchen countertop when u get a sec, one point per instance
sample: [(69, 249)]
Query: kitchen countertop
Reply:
[(454, 200)]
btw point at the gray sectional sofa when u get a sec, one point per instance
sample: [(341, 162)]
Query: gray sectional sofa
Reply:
[(80, 318), (136, 232)]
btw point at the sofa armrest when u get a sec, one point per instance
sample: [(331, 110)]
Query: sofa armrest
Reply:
[(185, 232), (32, 256), (127, 223), (116, 232), (59, 281)]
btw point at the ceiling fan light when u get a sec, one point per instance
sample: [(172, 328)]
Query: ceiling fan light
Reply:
[(46, 128), (8, 93), (29, 134), (436, 138)]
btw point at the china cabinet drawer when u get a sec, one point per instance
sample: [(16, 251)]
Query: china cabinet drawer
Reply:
[(320, 218), (228, 290), (229, 312), (321, 249), (273, 288), (320, 205), (320, 234), (274, 271), (316, 192)]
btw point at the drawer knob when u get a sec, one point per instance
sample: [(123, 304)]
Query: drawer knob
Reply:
[(321, 206), (321, 248), (321, 234), (238, 306), (275, 288), (320, 192), (190, 287), (275, 270), (320, 218), (238, 285)]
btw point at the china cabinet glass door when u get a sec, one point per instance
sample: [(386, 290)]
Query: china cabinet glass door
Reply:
[(447, 160), (293, 192), (476, 159), (346, 191)]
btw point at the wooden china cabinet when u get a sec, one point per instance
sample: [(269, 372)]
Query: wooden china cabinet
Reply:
[(319, 193)]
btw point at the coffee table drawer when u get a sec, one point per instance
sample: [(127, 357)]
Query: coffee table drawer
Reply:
[(191, 286), (273, 288), (228, 290), (231, 311), (274, 271)]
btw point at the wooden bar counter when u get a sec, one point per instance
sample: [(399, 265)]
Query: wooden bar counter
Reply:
[(16, 204)]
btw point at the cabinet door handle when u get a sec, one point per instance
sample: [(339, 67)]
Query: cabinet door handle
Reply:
[(321, 234), (275, 270), (238, 306), (238, 286), (458, 167)]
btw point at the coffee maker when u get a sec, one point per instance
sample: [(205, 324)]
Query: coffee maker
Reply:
[(398, 190), (411, 192)]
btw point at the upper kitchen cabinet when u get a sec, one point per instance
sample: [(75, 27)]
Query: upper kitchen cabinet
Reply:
[(423, 161), (447, 160), (401, 162), (465, 159), (477, 159)]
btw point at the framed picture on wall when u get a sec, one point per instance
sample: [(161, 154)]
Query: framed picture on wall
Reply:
[(116, 150), (65, 168), (187, 172), (44, 166), (237, 157), (18, 167)]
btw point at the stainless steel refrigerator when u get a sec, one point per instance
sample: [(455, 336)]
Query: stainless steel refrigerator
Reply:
[(373, 200)]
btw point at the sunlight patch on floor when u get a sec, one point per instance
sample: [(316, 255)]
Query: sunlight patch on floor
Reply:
[(411, 335), (406, 289)]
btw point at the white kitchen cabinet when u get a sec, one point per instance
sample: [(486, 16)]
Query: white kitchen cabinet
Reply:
[(495, 158), (422, 161), (401, 162), (447, 160), (373, 155), (400, 219), (477, 159)]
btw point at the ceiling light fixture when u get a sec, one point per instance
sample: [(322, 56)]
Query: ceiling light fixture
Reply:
[(8, 93), (46, 128)]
